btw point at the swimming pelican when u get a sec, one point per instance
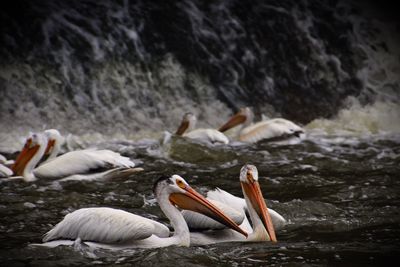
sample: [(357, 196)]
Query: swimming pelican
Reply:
[(74, 165), (5, 161), (273, 130), (186, 129), (118, 229), (262, 228), (5, 171)]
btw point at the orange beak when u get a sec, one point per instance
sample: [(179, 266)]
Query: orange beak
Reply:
[(191, 200), (50, 145), (24, 157), (236, 119), (253, 191), (182, 128)]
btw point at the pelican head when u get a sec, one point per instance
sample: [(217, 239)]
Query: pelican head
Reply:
[(29, 156), (244, 115), (55, 140), (251, 189), (185, 197), (188, 123), (286, 128)]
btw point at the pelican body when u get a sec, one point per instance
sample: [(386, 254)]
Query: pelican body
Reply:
[(5, 171), (87, 164), (186, 129), (118, 229), (273, 130), (262, 228)]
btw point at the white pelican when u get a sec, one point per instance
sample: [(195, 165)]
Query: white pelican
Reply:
[(6, 162), (75, 165), (5, 171), (186, 129), (118, 229), (262, 228), (273, 130)]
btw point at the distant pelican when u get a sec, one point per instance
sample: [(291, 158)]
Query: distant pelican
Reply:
[(85, 164), (186, 129), (118, 229), (5, 171), (273, 130), (262, 228), (5, 162)]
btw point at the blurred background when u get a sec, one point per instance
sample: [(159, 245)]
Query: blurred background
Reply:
[(132, 68)]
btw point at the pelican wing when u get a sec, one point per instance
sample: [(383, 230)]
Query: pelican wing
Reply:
[(208, 135), (80, 162), (5, 171), (240, 204), (105, 225), (199, 221), (6, 162), (269, 129), (227, 198)]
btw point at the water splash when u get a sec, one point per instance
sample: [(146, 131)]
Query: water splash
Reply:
[(114, 71)]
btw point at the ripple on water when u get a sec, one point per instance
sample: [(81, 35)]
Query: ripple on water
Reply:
[(339, 196)]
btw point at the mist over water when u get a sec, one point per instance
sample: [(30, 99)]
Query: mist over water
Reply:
[(81, 66), (117, 74)]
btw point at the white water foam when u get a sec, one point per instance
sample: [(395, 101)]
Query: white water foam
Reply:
[(377, 118)]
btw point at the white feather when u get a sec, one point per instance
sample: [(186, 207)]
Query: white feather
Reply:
[(199, 221), (6, 162), (5, 171), (120, 172), (208, 135), (105, 225), (238, 204), (80, 162), (268, 129)]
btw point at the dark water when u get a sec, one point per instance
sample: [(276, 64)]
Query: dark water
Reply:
[(340, 195)]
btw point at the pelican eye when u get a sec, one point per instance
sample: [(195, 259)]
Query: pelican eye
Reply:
[(181, 184)]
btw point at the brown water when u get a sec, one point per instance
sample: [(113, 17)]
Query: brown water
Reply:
[(340, 195)]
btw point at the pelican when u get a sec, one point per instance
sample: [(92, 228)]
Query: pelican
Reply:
[(5, 171), (117, 229), (5, 162), (186, 129), (74, 165), (262, 228), (273, 130)]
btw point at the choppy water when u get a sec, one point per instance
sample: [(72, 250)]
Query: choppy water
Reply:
[(340, 195)]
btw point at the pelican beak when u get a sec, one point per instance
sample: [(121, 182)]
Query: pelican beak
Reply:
[(50, 146), (253, 191), (191, 200), (24, 157), (236, 119), (182, 128)]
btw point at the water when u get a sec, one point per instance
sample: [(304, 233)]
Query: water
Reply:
[(138, 65), (117, 75), (339, 194)]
